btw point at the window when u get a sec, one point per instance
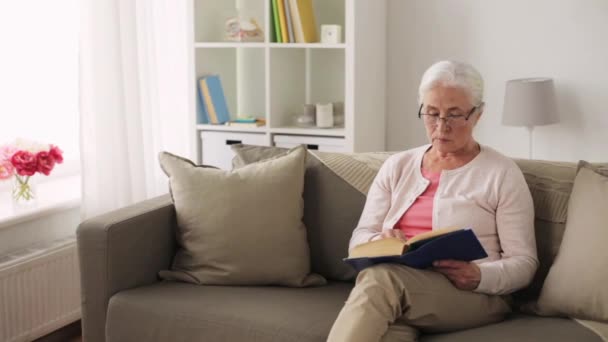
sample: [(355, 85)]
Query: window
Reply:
[(39, 73)]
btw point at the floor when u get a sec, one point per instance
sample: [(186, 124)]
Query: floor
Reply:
[(69, 333)]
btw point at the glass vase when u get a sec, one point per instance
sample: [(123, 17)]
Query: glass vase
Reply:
[(24, 191)]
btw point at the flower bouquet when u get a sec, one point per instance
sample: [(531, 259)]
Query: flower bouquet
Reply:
[(23, 160)]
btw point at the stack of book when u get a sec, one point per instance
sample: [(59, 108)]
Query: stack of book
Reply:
[(246, 122), (214, 109), (294, 21)]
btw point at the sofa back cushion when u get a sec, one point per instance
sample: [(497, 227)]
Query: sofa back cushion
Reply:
[(332, 208), (583, 253), (550, 184)]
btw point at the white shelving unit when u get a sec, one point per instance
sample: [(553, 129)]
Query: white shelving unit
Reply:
[(274, 80)]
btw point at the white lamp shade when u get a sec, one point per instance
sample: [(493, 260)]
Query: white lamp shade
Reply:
[(530, 102)]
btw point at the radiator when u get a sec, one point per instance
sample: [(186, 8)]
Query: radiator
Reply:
[(39, 290)]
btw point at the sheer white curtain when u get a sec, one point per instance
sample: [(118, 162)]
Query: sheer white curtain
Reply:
[(134, 98)]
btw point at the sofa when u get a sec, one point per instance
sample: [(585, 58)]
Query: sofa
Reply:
[(122, 252)]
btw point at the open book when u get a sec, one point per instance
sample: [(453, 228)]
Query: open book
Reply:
[(420, 251)]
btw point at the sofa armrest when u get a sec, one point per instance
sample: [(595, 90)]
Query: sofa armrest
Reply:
[(120, 250)]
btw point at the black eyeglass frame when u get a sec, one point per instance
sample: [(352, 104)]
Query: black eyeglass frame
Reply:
[(466, 117)]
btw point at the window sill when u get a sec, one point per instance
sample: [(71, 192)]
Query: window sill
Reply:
[(53, 196)]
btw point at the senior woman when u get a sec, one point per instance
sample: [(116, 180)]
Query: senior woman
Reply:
[(453, 181)]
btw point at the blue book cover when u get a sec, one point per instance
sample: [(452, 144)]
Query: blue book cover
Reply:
[(458, 245), (201, 114), (219, 101)]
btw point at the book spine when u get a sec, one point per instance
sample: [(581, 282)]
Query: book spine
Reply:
[(201, 115), (282, 20), (208, 102), (296, 22), (289, 23), (276, 23), (307, 17)]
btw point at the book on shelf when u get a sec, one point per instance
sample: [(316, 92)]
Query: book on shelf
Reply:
[(238, 122), (307, 22), (213, 100), (420, 251), (295, 20), (288, 19), (275, 22), (201, 115), (283, 21)]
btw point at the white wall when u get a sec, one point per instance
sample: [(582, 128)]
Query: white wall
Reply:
[(505, 39)]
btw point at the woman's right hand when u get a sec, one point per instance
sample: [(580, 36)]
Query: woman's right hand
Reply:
[(390, 233)]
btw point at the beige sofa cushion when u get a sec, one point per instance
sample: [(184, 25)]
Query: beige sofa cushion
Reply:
[(241, 227), (576, 284), (184, 312)]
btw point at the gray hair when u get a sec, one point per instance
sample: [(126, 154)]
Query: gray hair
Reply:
[(453, 74)]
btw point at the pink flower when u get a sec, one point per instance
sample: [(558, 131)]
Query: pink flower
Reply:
[(25, 163), (57, 154), (6, 169), (6, 152), (46, 162)]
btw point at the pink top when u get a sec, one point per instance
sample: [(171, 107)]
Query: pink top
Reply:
[(419, 217)]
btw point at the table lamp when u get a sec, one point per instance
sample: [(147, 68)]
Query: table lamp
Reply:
[(530, 102)]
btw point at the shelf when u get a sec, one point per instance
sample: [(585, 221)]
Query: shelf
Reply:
[(224, 45), (307, 46), (327, 132), (54, 196), (219, 45), (224, 128)]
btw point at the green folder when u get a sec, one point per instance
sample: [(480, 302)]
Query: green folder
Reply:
[(277, 24)]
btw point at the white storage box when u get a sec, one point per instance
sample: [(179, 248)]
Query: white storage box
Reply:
[(312, 143), (215, 146)]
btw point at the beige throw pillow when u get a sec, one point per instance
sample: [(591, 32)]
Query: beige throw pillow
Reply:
[(577, 282), (241, 227)]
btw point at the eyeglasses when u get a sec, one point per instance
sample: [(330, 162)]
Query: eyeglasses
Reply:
[(452, 120)]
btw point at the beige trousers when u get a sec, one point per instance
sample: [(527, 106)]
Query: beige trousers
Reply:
[(393, 303)]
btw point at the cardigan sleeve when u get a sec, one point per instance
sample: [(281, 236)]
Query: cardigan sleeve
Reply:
[(376, 206), (515, 228)]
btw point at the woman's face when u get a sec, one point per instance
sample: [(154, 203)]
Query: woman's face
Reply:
[(449, 101)]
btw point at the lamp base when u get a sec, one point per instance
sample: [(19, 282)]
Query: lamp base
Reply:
[(531, 139)]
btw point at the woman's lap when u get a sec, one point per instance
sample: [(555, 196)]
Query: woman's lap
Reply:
[(431, 303), (392, 302)]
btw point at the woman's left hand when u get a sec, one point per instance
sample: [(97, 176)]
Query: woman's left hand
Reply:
[(464, 275)]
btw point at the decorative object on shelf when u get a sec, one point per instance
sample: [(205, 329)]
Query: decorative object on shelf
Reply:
[(21, 161), (307, 118), (339, 114), (325, 115), (530, 102), (242, 27), (331, 34)]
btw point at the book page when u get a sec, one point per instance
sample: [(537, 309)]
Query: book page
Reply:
[(431, 234), (382, 247)]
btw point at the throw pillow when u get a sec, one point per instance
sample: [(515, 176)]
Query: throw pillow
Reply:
[(241, 227), (576, 283)]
